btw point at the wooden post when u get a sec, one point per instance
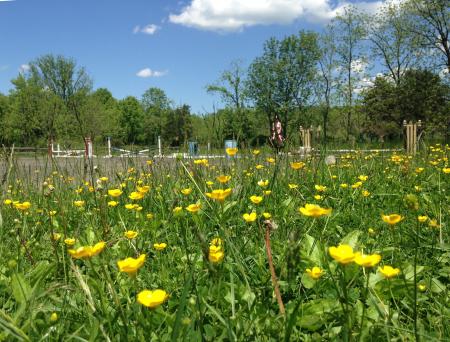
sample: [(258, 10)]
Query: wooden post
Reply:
[(411, 130), (50, 148), (88, 148), (306, 139)]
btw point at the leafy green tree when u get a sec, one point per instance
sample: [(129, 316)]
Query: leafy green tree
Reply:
[(326, 80), (156, 106), (4, 110), (421, 95), (431, 24), (350, 32), (131, 118), (393, 43), (62, 77), (178, 127), (280, 81)]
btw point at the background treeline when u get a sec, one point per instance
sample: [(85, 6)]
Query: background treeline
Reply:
[(358, 80)]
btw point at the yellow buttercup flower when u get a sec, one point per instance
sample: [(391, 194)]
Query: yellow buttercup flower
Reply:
[(365, 193), (87, 251), (292, 186), (150, 216), (203, 162), (69, 241), (392, 219), (320, 188), (129, 206), (256, 152), (434, 223), (259, 167), (103, 179), (177, 210), (370, 260), (231, 151), (130, 234), (136, 195), (193, 208), (143, 189), (215, 254), (446, 170), (344, 185), (270, 160), (314, 210), (249, 217), (149, 162), (22, 206), (131, 265), (223, 179), (78, 204), (219, 195), (53, 317), (56, 236), (388, 271), (357, 185), (160, 246), (315, 272), (267, 192), (263, 183), (422, 219), (113, 203), (267, 216), (256, 199), (186, 191), (297, 165), (7, 202), (216, 242), (152, 299), (363, 178), (343, 254)]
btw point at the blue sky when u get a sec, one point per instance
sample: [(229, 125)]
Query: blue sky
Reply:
[(130, 46)]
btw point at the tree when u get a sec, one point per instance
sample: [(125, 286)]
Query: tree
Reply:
[(431, 23), (62, 77), (326, 79), (232, 89), (420, 95), (178, 127), (231, 86), (131, 117), (392, 41), (156, 106), (280, 80), (4, 110), (349, 29)]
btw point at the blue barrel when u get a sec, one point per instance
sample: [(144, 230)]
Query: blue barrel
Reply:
[(230, 144), (193, 148)]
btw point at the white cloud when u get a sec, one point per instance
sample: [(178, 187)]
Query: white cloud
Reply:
[(147, 72), (234, 15), (24, 68), (149, 29)]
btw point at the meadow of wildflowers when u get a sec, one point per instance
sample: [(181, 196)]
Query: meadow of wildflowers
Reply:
[(252, 247)]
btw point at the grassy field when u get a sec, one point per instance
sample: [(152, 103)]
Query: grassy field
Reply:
[(255, 248)]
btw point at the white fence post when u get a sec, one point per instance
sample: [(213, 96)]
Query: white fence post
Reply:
[(159, 146), (109, 147)]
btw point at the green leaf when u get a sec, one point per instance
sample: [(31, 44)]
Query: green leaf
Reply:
[(351, 238), (310, 251), (21, 288), (316, 313)]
